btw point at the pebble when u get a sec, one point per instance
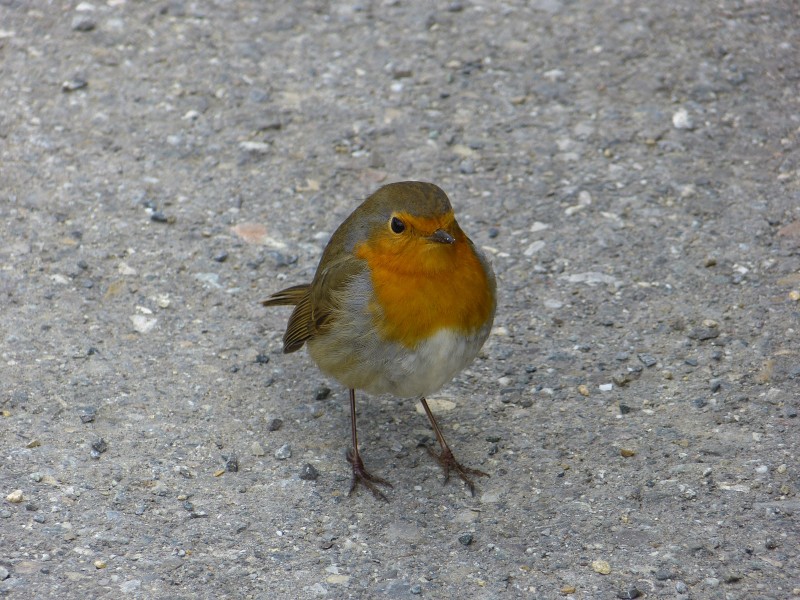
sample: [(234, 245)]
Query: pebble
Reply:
[(416, 589), (143, 324), (283, 452), (682, 120), (308, 472), (87, 414), (622, 356), (99, 445), (74, 84), (221, 257), (647, 360), (715, 384), (83, 23), (275, 424), (465, 539), (680, 587), (257, 449), (231, 463), (4, 574), (322, 392), (15, 497), (699, 402), (534, 248), (707, 331), (601, 566), (629, 593), (466, 166), (567, 590), (100, 564), (262, 359)]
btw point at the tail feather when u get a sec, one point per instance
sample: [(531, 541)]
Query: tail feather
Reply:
[(288, 297), (300, 324)]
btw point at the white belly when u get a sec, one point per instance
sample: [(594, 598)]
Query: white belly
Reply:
[(388, 368)]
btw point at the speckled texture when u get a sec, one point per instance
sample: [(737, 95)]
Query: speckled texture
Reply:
[(632, 168)]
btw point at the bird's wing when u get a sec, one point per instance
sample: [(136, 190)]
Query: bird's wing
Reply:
[(315, 304), (298, 330), (327, 289)]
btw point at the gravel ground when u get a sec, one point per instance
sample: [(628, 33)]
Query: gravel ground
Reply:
[(633, 169)]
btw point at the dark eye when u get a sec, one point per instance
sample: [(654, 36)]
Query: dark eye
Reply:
[(397, 225)]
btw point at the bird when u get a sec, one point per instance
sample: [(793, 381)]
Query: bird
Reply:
[(401, 301)]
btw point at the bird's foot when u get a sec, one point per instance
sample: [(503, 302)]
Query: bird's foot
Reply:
[(449, 463), (364, 477)]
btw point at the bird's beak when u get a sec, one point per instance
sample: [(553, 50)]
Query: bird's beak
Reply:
[(442, 237)]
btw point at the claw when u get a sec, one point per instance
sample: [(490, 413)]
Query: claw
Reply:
[(449, 463), (361, 475)]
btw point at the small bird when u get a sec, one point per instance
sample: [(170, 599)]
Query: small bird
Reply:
[(401, 301)]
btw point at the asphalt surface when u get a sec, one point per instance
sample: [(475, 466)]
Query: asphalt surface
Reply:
[(632, 169)]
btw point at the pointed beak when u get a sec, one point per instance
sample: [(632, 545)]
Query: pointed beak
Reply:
[(442, 237)]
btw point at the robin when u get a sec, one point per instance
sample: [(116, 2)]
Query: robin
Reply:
[(401, 301)]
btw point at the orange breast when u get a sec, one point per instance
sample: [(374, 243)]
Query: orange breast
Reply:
[(423, 286)]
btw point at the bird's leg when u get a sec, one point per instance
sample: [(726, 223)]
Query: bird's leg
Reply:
[(360, 473), (446, 458)]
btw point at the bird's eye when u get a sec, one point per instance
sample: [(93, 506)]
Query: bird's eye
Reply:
[(397, 225)]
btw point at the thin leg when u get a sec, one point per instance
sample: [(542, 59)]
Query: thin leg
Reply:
[(446, 458), (360, 474)]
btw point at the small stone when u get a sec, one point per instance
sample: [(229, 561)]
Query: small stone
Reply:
[(416, 589), (681, 587), (100, 564), (493, 232), (100, 445), (308, 472), (15, 497), (732, 577), (73, 85), (647, 360), (692, 362), (601, 566), (35, 477), (465, 539), (567, 590), (159, 217), (322, 392), (622, 356), (283, 452), (663, 574), (87, 414), (257, 449), (770, 544), (699, 402), (275, 424), (626, 453), (221, 257), (707, 331), (629, 593), (715, 384), (262, 359), (466, 166), (231, 463), (711, 582), (34, 443), (83, 23), (4, 574), (682, 120)]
